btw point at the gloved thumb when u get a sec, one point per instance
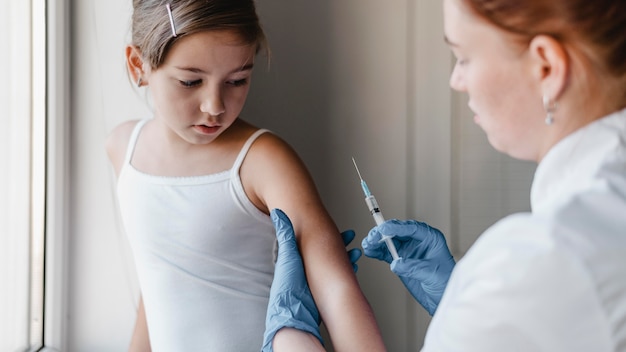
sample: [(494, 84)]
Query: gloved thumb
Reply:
[(373, 247), (284, 231), (288, 260), (290, 303)]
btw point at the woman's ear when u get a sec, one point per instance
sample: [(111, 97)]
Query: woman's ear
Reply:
[(551, 65), (135, 65)]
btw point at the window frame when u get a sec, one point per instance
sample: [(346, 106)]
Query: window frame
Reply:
[(58, 174), (35, 244)]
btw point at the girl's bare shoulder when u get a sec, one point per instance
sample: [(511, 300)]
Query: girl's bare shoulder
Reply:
[(117, 142)]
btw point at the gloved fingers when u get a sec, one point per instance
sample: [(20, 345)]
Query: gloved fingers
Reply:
[(374, 248), (429, 273), (347, 236), (420, 270), (422, 280), (354, 254), (402, 229)]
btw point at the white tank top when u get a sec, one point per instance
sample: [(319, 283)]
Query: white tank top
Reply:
[(204, 256)]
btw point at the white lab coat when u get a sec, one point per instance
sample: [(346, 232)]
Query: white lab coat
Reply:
[(554, 279)]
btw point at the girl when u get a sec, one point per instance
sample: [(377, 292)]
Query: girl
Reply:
[(196, 184)]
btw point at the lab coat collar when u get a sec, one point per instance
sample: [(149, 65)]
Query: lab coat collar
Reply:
[(572, 164)]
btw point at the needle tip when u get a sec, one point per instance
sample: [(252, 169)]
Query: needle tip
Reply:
[(357, 168)]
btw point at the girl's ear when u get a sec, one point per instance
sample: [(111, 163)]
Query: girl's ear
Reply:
[(551, 65), (134, 64)]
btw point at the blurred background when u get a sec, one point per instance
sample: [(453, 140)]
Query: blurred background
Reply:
[(351, 78)]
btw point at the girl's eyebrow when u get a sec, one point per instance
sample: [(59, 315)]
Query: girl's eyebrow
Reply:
[(245, 67), (197, 70)]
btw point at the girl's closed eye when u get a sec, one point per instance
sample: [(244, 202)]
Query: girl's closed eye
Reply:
[(238, 82), (190, 83)]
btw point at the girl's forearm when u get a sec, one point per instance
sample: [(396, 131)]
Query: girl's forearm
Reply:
[(351, 322), (140, 341)]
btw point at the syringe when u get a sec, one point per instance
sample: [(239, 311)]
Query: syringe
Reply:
[(376, 213)]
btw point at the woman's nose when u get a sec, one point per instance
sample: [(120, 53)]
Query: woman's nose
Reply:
[(456, 79)]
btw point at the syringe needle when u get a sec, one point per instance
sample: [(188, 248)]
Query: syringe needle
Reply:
[(357, 169), (376, 213), (366, 189)]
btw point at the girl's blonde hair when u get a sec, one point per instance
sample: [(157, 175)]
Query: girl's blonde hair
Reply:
[(151, 29)]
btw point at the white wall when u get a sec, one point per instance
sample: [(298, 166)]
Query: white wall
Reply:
[(102, 288), (347, 79)]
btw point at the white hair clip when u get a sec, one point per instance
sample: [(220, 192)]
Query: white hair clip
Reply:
[(169, 13)]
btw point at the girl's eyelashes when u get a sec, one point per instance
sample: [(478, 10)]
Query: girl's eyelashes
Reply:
[(191, 83), (194, 83), (238, 82)]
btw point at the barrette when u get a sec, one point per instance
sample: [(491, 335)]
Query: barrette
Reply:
[(169, 13)]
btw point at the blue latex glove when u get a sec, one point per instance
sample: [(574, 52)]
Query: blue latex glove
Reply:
[(354, 254), (425, 262), (291, 303)]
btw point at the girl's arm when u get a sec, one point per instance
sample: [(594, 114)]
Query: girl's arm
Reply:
[(140, 341), (116, 144), (275, 177)]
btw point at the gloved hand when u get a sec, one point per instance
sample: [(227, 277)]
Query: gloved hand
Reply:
[(355, 253), (425, 262), (291, 303)]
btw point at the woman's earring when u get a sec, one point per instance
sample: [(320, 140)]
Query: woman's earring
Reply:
[(139, 82), (550, 106)]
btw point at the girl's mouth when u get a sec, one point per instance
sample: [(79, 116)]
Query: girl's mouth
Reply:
[(203, 129)]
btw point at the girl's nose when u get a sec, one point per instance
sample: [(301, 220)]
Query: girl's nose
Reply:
[(213, 103)]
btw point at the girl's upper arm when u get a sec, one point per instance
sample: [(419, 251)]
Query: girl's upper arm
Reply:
[(279, 179)]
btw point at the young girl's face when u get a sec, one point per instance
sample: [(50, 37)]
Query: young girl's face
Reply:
[(498, 78), (201, 87)]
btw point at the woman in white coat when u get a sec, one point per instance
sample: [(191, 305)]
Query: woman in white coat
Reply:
[(547, 82)]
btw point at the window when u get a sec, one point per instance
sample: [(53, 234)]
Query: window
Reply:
[(21, 308), (32, 153)]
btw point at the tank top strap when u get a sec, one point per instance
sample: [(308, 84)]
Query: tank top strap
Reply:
[(133, 140), (245, 148)]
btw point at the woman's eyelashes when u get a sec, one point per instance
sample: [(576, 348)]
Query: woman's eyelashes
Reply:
[(460, 59)]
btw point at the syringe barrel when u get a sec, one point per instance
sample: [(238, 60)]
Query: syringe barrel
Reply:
[(379, 219), (372, 205)]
